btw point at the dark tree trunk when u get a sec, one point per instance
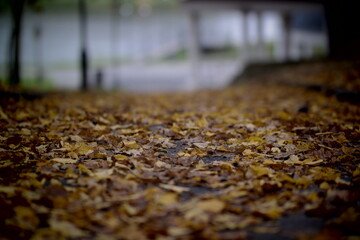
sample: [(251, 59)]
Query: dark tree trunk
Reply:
[(344, 32), (17, 9), (83, 51)]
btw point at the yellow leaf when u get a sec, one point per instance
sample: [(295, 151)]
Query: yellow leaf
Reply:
[(225, 166), (303, 181), (304, 146), (119, 165), (84, 169), (236, 194), (131, 144), (104, 120), (193, 213), (20, 116), (270, 209), (9, 190), (339, 180), (209, 134), (100, 155), (102, 174), (66, 229), (183, 154), (313, 197), (99, 127), (127, 131), (250, 126), (178, 231), (25, 218), (347, 151), (174, 188), (3, 115), (275, 150), (129, 209), (212, 205), (84, 149), (200, 164), (247, 152), (255, 139), (356, 172), (324, 185), (266, 229), (167, 198), (284, 116), (222, 149), (161, 164), (311, 161), (64, 160), (202, 122), (25, 131), (293, 159), (260, 171), (76, 138), (115, 127), (201, 145), (234, 140), (269, 162), (120, 157), (30, 195)]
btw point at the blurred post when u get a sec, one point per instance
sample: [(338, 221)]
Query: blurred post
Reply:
[(37, 32), (115, 40), (38, 56), (260, 37), (194, 46), (99, 79), (286, 19), (83, 46), (245, 53)]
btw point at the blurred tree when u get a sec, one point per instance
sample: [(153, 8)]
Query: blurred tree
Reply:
[(17, 8), (344, 33), (83, 45), (38, 8)]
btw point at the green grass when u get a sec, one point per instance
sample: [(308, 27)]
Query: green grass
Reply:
[(319, 51), (270, 49), (33, 84), (36, 84), (180, 55)]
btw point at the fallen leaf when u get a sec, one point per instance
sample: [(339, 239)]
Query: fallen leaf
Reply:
[(174, 188), (211, 205), (64, 160), (66, 229), (167, 198)]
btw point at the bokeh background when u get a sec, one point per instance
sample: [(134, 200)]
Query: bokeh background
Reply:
[(148, 45)]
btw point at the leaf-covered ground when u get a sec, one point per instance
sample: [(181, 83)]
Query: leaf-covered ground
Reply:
[(256, 161)]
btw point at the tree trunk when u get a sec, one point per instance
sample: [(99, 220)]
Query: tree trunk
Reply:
[(17, 9), (83, 51), (344, 34)]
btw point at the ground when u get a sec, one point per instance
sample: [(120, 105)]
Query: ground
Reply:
[(274, 157)]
